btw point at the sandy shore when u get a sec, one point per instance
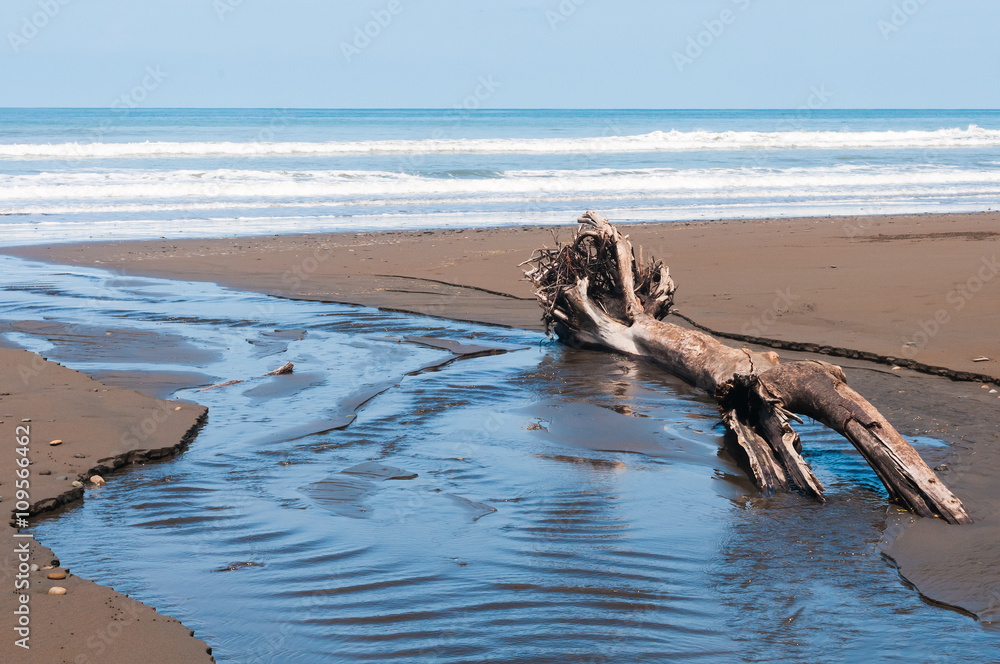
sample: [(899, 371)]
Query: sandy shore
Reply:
[(911, 290), (102, 429), (921, 288)]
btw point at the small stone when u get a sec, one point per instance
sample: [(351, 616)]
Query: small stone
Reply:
[(896, 367), (79, 456), (27, 419), (56, 576), (941, 468), (57, 590), (97, 479), (33, 567), (981, 358), (48, 567), (62, 477), (77, 483), (177, 408), (55, 442), (993, 391), (44, 472)]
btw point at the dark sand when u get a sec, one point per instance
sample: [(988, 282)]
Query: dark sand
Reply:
[(865, 283), (102, 429), (869, 284)]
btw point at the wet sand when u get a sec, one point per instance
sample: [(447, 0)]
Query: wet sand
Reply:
[(869, 284), (921, 288), (102, 429)]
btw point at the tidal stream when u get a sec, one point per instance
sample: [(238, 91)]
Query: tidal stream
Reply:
[(421, 490)]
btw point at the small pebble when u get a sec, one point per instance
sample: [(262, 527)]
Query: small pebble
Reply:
[(177, 408), (77, 483), (33, 567), (44, 472), (941, 467), (26, 420), (55, 442), (62, 477), (56, 576), (981, 359), (57, 590), (993, 391), (97, 479), (48, 567), (79, 456)]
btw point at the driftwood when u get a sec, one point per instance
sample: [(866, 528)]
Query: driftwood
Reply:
[(594, 293)]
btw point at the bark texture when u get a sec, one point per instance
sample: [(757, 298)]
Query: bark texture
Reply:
[(594, 292)]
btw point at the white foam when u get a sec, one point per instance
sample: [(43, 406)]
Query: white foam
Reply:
[(234, 188), (673, 140)]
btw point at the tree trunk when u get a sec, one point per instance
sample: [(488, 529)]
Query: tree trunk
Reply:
[(594, 293)]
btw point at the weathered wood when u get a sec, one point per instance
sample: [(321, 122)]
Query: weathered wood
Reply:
[(593, 292)]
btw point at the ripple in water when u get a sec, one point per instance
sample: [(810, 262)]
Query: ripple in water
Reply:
[(395, 502)]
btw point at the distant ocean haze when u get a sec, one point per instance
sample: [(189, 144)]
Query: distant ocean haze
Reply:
[(196, 173)]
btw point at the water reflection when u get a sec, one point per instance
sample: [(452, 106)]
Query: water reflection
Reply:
[(388, 502)]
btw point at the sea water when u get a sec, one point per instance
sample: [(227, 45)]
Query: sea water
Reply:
[(81, 174)]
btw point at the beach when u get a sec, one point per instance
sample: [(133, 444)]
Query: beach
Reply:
[(100, 430), (436, 480), (835, 284), (920, 288)]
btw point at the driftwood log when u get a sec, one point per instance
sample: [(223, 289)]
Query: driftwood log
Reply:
[(595, 293)]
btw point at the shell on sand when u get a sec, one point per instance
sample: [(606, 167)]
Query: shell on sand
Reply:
[(55, 442), (57, 590)]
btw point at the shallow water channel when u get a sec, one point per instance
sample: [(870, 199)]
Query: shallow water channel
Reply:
[(394, 500)]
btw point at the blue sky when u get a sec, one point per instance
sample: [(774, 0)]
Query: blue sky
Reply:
[(512, 53)]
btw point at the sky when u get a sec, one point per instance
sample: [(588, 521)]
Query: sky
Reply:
[(501, 53)]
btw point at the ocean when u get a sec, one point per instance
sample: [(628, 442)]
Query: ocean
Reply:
[(121, 173)]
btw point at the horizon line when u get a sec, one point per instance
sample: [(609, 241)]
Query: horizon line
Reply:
[(473, 111)]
